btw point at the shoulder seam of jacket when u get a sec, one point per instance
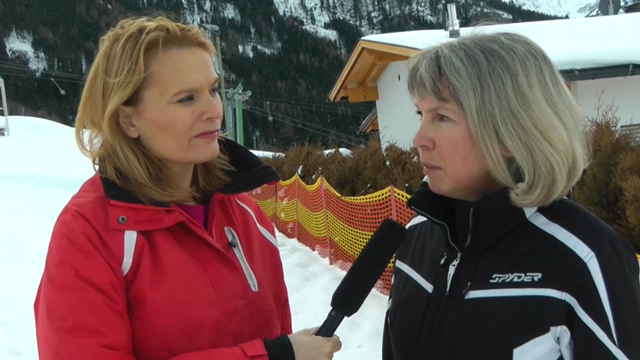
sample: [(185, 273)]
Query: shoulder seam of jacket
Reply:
[(416, 220), (585, 253)]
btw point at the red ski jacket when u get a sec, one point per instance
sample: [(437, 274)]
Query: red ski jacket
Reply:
[(128, 281)]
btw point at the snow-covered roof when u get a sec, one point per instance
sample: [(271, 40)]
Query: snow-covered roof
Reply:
[(585, 43)]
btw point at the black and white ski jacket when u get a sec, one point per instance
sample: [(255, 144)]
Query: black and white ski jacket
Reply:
[(491, 281)]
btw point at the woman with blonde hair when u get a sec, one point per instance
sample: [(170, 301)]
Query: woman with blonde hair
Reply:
[(497, 263), (161, 255)]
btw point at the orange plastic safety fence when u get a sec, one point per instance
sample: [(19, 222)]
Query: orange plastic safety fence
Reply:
[(266, 197), (334, 226)]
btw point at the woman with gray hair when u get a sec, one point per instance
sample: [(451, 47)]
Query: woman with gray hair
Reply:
[(498, 264)]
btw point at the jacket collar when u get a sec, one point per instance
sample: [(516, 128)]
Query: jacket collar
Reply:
[(480, 224), (249, 173)]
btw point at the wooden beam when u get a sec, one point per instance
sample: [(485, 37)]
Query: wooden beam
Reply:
[(389, 49), (361, 94), (387, 58), (377, 62), (374, 72), (365, 65), (339, 86), (373, 126), (381, 56)]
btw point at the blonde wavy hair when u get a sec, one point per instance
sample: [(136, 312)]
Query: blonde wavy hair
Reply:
[(115, 78), (515, 100)]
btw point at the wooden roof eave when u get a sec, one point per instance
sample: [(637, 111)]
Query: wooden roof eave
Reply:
[(367, 62)]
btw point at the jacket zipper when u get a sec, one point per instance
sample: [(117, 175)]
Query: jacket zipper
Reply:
[(234, 241), (452, 267), (454, 264), (439, 222), (470, 226), (467, 244), (452, 270)]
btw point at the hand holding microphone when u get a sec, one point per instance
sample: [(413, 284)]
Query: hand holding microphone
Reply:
[(307, 346), (321, 343)]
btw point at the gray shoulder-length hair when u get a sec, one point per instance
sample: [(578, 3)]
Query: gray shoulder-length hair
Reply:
[(517, 104)]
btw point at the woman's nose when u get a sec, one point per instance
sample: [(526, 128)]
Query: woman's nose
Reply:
[(214, 106), (423, 138)]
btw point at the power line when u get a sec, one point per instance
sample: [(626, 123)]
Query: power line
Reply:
[(287, 101), (38, 77), (29, 73), (314, 108), (9, 61), (307, 129), (306, 102), (307, 124), (14, 65), (310, 130), (302, 100)]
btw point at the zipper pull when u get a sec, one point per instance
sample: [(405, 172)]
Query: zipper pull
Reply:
[(452, 270), (444, 258), (233, 241)]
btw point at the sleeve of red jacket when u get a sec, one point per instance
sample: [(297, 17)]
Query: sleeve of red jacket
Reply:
[(81, 306), (285, 321), (264, 221)]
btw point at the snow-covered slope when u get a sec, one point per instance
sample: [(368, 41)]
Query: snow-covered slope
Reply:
[(366, 15), (571, 8)]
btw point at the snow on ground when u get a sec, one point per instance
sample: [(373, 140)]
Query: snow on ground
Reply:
[(266, 154), (41, 168), (343, 151), (311, 282)]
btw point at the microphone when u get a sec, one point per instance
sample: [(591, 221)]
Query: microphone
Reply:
[(363, 275)]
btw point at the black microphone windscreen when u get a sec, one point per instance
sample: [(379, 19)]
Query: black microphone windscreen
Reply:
[(368, 267)]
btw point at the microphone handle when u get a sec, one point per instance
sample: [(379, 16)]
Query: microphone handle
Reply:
[(330, 324)]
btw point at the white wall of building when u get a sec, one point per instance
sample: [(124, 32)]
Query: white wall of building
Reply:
[(397, 117), (398, 121), (621, 92)]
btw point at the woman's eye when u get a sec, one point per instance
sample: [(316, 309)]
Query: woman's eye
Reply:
[(215, 90), (443, 118), (186, 99), (419, 113)]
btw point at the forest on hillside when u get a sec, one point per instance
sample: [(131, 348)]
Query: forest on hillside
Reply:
[(290, 73)]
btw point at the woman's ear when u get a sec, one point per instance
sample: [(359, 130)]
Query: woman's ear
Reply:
[(125, 119)]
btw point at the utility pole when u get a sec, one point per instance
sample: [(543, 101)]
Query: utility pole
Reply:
[(256, 136), (239, 96), (450, 18), (5, 109), (229, 117), (215, 30)]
